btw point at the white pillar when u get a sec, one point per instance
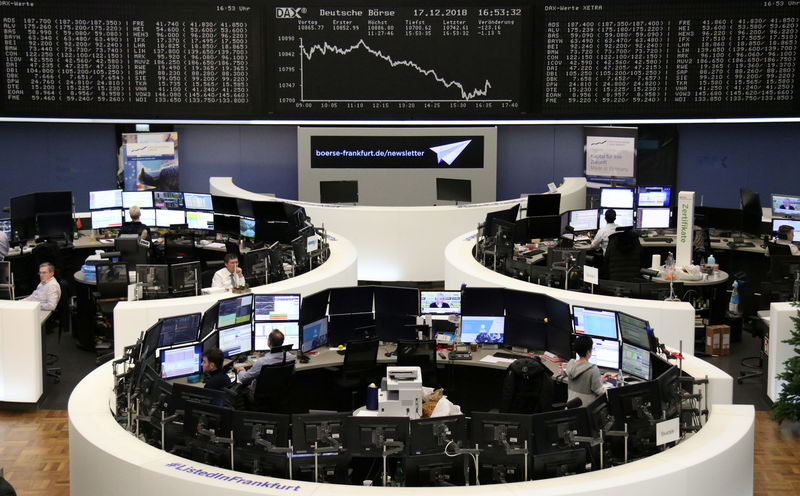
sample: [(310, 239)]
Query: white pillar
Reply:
[(685, 228)]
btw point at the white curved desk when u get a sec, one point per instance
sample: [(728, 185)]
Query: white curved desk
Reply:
[(133, 317), (401, 243), (673, 322), (106, 459)]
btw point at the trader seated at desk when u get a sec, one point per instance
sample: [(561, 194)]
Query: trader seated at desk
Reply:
[(230, 276), (216, 378), (274, 340), (135, 226), (786, 237), (48, 292), (585, 381), (601, 237)]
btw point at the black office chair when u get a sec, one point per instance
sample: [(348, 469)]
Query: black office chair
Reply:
[(358, 370), (273, 387), (623, 257), (61, 318), (212, 266), (420, 354), (112, 287), (527, 387), (778, 249), (131, 251)]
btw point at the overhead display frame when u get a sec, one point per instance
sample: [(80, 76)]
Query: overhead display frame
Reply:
[(469, 60)]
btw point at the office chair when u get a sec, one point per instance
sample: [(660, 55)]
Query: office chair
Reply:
[(527, 387), (778, 249), (358, 369), (62, 317), (7, 280), (420, 354), (273, 387), (623, 257), (112, 287), (131, 252), (212, 266)]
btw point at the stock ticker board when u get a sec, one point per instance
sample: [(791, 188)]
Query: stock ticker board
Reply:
[(467, 60)]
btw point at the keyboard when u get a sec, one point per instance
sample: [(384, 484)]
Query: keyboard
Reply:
[(652, 239), (744, 244), (502, 354), (532, 253)]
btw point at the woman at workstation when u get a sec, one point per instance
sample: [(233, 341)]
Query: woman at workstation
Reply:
[(585, 381)]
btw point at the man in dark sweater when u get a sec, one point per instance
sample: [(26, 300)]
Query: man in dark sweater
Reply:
[(216, 378)]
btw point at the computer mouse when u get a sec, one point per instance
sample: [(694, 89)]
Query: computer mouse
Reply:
[(341, 352)]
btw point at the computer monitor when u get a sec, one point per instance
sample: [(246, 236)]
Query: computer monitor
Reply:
[(200, 219), (209, 320), (226, 224), (290, 330), (142, 199), (785, 205), (435, 470), (210, 340), (653, 218), (338, 191), (543, 204), (777, 223), (251, 427), (154, 279), (540, 226), (392, 328), (150, 341), (276, 307), (172, 200), (635, 331), (235, 340), (245, 208), (394, 300), (552, 431), (721, 219), (166, 218), (501, 429), (300, 253), (367, 436), (147, 216), (198, 201), (559, 463), (595, 322), (54, 225), (110, 198), (432, 435), (636, 361), (314, 335), (224, 205), (751, 211), (235, 311), (5, 226), (343, 329), (482, 301), (583, 220), (106, 219), (439, 302), (326, 430), (179, 329), (314, 306), (247, 227), (181, 361), (355, 299), (624, 218), (605, 353), (185, 278), (508, 215), (559, 328), (616, 198), (485, 329), (457, 190), (653, 196), (634, 401)]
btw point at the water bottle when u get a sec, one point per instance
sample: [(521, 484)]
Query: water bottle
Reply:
[(733, 306), (712, 262)]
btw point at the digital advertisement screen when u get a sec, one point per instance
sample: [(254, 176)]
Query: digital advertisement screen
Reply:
[(396, 152)]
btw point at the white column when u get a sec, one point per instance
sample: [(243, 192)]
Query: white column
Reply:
[(685, 228)]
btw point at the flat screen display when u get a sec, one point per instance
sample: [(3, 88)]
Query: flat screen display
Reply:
[(168, 199), (315, 335), (583, 220), (166, 218), (482, 329), (111, 198), (785, 205), (634, 330), (595, 322), (276, 307), (636, 361), (777, 223), (178, 330), (247, 228), (653, 196), (440, 302), (181, 361), (233, 311), (235, 340), (605, 353), (142, 199), (197, 201), (147, 216), (290, 330), (624, 217), (616, 198), (652, 218), (196, 219), (103, 219)]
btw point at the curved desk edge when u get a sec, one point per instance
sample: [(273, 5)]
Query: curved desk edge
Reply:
[(104, 458)]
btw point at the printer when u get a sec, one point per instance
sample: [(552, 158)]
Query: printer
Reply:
[(401, 393)]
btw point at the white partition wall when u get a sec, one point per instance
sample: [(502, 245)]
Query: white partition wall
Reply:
[(673, 322), (20, 352), (780, 329), (133, 317), (402, 243)]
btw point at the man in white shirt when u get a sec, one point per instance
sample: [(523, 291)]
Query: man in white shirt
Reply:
[(250, 376), (786, 237), (601, 238), (230, 276), (48, 292)]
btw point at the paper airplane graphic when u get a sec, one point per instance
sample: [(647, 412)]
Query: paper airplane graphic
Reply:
[(449, 152)]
